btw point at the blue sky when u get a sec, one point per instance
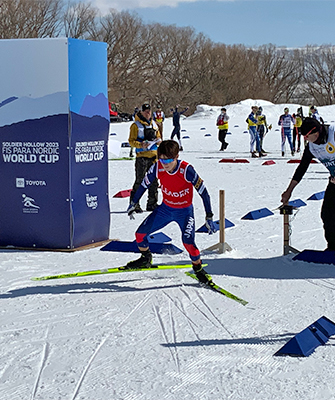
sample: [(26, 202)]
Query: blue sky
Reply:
[(293, 23)]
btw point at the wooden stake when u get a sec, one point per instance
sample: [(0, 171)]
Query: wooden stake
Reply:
[(222, 246)]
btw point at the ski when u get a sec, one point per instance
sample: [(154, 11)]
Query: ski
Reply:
[(219, 289), (123, 268)]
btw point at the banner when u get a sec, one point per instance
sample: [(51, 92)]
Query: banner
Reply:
[(44, 185)]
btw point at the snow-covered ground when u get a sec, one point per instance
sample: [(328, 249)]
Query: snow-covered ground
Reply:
[(159, 335)]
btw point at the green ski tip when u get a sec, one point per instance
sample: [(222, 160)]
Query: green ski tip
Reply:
[(219, 289)]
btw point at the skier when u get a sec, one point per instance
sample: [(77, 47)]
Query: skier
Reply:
[(262, 127), (176, 124), (159, 118), (315, 114), (297, 129), (321, 144), (222, 124), (285, 123), (177, 179), (254, 136)]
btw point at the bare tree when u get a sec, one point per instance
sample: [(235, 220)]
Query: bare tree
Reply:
[(30, 18), (80, 20), (279, 72), (168, 65), (320, 74), (129, 43)]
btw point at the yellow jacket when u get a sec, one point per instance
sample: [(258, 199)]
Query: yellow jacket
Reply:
[(136, 136)]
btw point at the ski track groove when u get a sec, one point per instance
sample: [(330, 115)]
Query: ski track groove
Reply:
[(214, 316), (139, 305), (161, 325), (198, 308), (181, 310), (90, 361), (188, 319), (323, 283), (45, 354), (174, 334)]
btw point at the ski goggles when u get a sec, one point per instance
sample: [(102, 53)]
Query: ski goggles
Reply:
[(166, 160), (310, 132)]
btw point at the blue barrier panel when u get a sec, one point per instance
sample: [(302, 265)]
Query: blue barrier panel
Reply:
[(53, 138), (90, 119), (316, 256), (185, 137), (131, 247), (207, 134), (159, 237), (257, 214), (203, 229), (317, 196), (304, 343), (297, 203)]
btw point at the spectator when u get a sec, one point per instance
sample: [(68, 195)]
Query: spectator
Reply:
[(297, 129), (262, 127), (176, 124), (145, 137), (222, 124), (285, 121), (254, 137), (315, 114), (159, 118)]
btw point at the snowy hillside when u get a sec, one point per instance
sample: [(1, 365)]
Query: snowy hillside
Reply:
[(158, 335)]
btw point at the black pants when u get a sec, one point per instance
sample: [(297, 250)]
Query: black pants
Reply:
[(176, 132), (261, 133), (222, 138), (142, 165), (328, 215), (297, 136)]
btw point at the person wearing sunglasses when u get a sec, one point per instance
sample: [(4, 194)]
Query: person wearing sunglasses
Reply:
[(321, 145), (177, 179)]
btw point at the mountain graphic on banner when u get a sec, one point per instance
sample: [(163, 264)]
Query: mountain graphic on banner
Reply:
[(26, 108), (95, 105)]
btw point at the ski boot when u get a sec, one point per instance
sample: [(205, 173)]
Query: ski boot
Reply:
[(201, 274), (145, 261)]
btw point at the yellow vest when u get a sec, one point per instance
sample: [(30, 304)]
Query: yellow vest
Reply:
[(298, 122)]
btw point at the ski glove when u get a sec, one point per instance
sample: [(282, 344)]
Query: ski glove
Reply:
[(131, 210), (210, 224)]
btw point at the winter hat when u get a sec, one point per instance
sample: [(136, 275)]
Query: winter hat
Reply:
[(310, 125), (146, 106), (286, 109)]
